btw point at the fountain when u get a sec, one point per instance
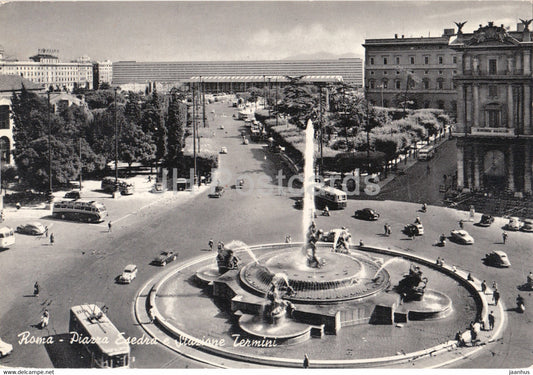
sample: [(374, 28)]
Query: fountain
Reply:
[(290, 295)]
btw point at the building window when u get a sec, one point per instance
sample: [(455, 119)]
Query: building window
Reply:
[(385, 73), (426, 72), (397, 72), (440, 84), (426, 60), (385, 60), (371, 72), (4, 117), (372, 83), (397, 60), (397, 84), (412, 60), (385, 84), (441, 60), (427, 104), (371, 61), (493, 118), (493, 67), (425, 82), (385, 103), (440, 72), (493, 91), (440, 104)]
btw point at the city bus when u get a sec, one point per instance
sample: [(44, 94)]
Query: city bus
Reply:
[(7, 237), (89, 211), (331, 197), (90, 328), (426, 153)]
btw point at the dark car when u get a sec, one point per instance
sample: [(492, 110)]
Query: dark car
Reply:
[(299, 204), (497, 258), (73, 195), (34, 229), (412, 230), (366, 214), (219, 191), (165, 257), (486, 221)]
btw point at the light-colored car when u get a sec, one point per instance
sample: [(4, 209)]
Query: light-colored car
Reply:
[(158, 188), (527, 225), (497, 258), (413, 229), (128, 275), (34, 228), (223, 150), (514, 224), (462, 236), (5, 348)]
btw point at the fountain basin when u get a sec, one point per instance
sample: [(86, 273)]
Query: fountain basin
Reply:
[(341, 277), (286, 331)]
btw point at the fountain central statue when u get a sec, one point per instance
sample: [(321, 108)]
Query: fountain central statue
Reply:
[(312, 237), (277, 308)]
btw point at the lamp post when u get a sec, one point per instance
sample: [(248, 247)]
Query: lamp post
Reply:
[(116, 143), (49, 147)]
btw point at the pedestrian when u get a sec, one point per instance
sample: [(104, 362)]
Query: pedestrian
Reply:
[(361, 243), (46, 231), (288, 238), (45, 319), (483, 286), (2, 216), (494, 285), (52, 239), (109, 226), (428, 169), (36, 289), (491, 320), (18, 205), (210, 243), (470, 277), (496, 296), (461, 224), (306, 361), (504, 237), (386, 229), (442, 262), (437, 262), (454, 269)]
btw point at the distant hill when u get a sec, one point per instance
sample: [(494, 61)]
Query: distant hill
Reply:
[(321, 56)]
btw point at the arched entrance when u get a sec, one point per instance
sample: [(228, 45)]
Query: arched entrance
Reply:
[(494, 169)]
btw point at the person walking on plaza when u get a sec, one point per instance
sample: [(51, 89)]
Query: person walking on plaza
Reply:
[(46, 231), (288, 238), (36, 289), (210, 243), (306, 361), (52, 239), (494, 285), (504, 237), (491, 320), (461, 224), (45, 319), (386, 229), (496, 296), (483, 286), (109, 226)]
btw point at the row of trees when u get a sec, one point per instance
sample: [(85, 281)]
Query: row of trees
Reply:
[(149, 131)]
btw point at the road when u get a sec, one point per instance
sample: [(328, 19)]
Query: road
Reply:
[(82, 265)]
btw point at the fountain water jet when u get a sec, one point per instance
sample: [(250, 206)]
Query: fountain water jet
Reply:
[(309, 180)]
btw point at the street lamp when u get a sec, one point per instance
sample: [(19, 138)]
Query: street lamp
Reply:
[(49, 147), (116, 143)]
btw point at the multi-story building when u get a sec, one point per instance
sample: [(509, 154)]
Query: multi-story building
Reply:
[(102, 73), (46, 70), (8, 85), (420, 70), (494, 120), (236, 72)]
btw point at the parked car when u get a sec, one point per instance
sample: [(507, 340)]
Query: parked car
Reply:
[(497, 258), (299, 203), (413, 230), (128, 275), (73, 195), (514, 224), (34, 228), (5, 348), (219, 191), (330, 236), (124, 187), (366, 214), (486, 221), (223, 150), (165, 257), (527, 225), (462, 236)]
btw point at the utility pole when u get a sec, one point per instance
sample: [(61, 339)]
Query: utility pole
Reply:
[(277, 113), (203, 103), (49, 148), (194, 132), (81, 166), (269, 89), (116, 143), (321, 131)]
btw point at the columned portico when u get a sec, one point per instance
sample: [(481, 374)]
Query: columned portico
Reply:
[(460, 167), (475, 94), (527, 109), (477, 172), (510, 168), (527, 169), (509, 105)]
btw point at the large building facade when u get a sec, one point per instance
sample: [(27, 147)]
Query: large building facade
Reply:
[(418, 71), (494, 99), (236, 72), (45, 69), (102, 73)]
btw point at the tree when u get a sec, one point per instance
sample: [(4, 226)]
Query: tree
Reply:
[(176, 122), (153, 125), (300, 102)]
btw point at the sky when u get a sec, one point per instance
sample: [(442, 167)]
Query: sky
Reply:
[(228, 30)]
